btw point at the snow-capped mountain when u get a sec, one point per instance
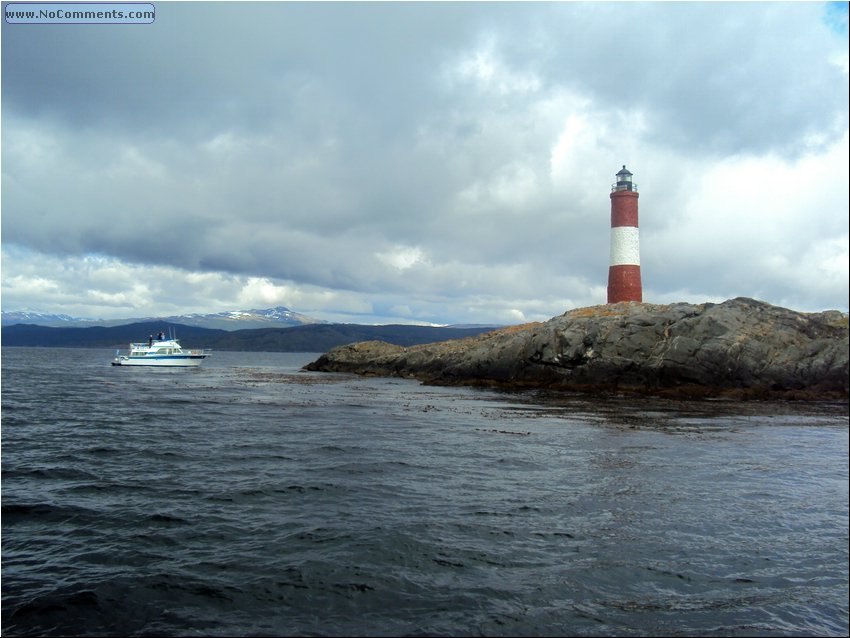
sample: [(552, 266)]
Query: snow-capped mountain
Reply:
[(37, 318), (279, 317)]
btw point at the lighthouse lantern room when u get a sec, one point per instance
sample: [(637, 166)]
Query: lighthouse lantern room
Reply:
[(624, 181)]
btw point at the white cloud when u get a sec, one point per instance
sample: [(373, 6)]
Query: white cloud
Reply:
[(782, 224), (488, 72), (402, 257)]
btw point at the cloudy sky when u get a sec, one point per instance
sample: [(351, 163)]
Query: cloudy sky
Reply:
[(423, 162)]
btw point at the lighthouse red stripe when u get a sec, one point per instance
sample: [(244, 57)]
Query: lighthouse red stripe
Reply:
[(624, 209), (624, 284)]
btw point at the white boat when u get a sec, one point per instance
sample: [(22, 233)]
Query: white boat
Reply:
[(160, 352)]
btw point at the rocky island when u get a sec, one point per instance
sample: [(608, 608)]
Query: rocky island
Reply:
[(741, 348)]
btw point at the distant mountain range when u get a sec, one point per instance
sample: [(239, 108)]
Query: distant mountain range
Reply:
[(305, 338), (278, 317)]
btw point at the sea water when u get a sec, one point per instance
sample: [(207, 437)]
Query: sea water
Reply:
[(248, 497)]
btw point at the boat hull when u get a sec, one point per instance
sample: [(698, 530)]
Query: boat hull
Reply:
[(163, 362)]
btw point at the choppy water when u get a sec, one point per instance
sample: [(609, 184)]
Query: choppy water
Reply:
[(249, 498)]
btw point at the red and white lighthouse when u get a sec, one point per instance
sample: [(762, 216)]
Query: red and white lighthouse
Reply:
[(624, 267)]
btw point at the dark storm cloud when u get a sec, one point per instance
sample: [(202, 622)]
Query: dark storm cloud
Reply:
[(203, 64)]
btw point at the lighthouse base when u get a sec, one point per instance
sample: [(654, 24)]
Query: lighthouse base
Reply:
[(624, 284)]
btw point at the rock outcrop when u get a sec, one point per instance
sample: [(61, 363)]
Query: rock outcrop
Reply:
[(740, 348)]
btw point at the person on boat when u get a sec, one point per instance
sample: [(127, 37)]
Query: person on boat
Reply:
[(150, 340), (161, 336)]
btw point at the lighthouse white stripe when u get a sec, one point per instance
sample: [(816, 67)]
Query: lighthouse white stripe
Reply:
[(625, 246)]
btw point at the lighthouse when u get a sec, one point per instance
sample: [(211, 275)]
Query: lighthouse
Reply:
[(624, 267)]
